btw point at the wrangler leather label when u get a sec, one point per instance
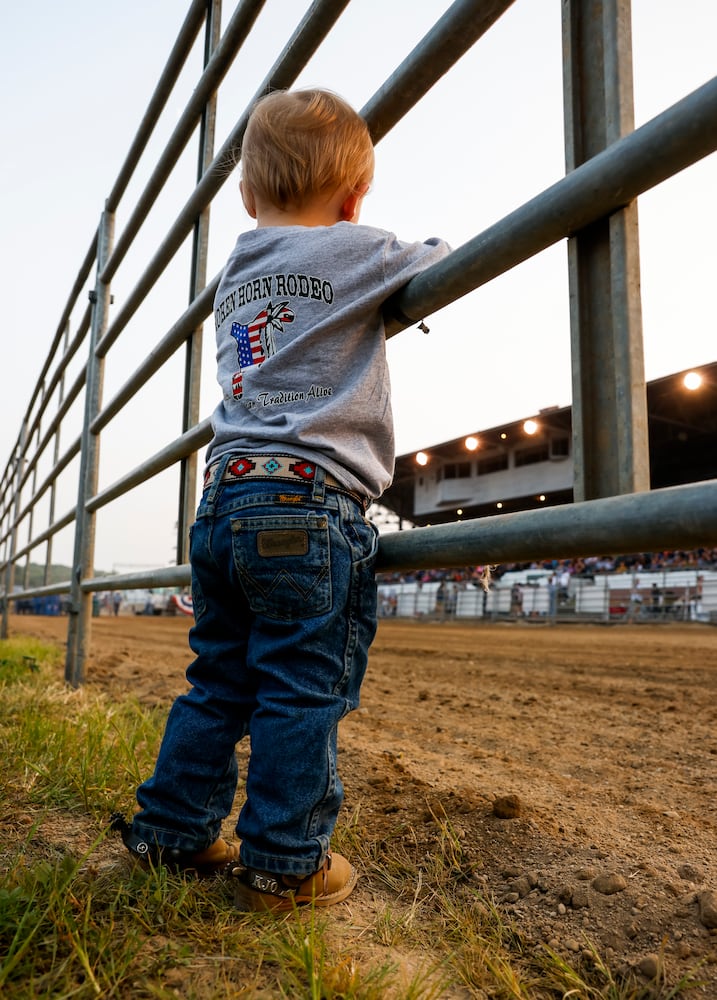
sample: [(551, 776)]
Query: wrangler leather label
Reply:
[(282, 542)]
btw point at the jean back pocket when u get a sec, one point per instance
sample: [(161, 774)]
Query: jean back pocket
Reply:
[(284, 565)]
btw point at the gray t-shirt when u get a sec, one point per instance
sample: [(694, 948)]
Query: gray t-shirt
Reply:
[(301, 349)]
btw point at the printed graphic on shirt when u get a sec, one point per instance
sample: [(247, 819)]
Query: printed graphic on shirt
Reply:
[(289, 286), (255, 341)]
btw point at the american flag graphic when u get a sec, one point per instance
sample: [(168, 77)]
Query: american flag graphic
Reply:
[(236, 385), (255, 341)]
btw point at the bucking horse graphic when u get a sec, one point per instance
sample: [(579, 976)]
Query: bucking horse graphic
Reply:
[(255, 341)]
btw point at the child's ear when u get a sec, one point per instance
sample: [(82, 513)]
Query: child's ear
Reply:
[(349, 208), (247, 196), (352, 205)]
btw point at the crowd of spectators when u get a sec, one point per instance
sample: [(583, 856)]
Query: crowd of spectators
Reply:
[(586, 568)]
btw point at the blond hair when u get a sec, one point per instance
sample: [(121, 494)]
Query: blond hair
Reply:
[(303, 143)]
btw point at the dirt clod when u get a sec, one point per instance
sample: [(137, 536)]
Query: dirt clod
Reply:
[(507, 807), (708, 908), (609, 883)]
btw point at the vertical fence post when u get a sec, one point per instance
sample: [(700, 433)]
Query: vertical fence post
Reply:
[(55, 460), (10, 566), (31, 512), (198, 280), (78, 633), (5, 528), (610, 446)]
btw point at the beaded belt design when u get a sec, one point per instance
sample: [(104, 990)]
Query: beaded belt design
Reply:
[(281, 467)]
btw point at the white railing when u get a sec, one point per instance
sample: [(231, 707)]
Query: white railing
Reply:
[(680, 595)]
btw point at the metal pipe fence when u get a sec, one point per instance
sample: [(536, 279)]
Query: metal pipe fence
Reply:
[(610, 164)]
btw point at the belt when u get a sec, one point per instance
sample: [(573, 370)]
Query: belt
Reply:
[(281, 467)]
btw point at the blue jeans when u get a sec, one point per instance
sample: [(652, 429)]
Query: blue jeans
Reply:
[(285, 611)]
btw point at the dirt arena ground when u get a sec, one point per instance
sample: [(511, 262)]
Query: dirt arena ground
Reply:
[(576, 764)]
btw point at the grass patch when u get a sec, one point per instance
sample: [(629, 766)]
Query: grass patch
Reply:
[(78, 920)]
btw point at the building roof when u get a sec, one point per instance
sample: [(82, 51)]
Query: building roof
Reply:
[(682, 435)]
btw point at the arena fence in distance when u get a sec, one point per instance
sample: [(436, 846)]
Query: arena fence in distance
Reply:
[(537, 596)]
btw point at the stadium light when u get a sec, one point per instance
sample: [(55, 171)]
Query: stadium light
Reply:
[(421, 458), (471, 443), (692, 381), (530, 427)]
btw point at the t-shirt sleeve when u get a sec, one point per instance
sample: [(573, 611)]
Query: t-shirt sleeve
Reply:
[(403, 261)]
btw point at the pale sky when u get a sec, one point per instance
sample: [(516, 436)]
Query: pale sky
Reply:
[(76, 78)]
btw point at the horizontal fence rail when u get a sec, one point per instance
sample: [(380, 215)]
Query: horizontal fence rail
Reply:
[(624, 164), (677, 517), (675, 139)]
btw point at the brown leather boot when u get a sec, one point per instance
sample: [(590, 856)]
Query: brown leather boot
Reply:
[(257, 891), (215, 858)]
